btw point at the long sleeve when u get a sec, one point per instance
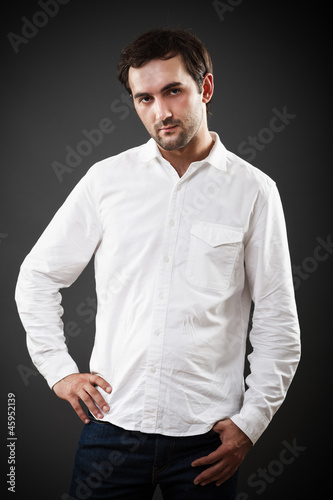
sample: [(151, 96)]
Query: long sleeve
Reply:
[(275, 335), (177, 261), (55, 262)]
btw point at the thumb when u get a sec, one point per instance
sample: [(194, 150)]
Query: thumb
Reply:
[(221, 426)]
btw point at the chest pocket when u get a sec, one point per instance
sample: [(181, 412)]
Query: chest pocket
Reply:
[(212, 254)]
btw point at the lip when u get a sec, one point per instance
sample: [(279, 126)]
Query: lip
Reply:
[(167, 129)]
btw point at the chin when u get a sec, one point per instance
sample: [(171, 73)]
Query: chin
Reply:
[(172, 144)]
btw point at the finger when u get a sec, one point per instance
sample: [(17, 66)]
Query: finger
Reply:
[(103, 384), (218, 474), (217, 479), (79, 411), (90, 403), (208, 459), (97, 398), (208, 475), (227, 473)]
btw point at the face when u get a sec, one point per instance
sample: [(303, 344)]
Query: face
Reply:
[(167, 101)]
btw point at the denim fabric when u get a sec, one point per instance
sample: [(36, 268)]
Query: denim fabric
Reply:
[(113, 463)]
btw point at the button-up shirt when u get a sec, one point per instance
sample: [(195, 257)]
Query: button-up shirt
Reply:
[(178, 262)]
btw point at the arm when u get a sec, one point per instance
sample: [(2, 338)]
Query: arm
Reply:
[(55, 262), (274, 339), (275, 335)]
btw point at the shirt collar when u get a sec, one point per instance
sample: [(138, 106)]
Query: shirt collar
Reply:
[(217, 155)]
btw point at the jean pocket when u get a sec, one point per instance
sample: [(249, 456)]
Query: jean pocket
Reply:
[(212, 254), (213, 433)]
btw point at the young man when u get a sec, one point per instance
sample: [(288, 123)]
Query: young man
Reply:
[(185, 235)]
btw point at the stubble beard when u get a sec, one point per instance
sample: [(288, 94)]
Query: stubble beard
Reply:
[(188, 130)]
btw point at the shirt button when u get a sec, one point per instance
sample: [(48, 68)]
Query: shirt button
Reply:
[(153, 370), (179, 187), (166, 259), (161, 295), (171, 222), (157, 332)]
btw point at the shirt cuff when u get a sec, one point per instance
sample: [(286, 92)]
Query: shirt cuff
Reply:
[(251, 422), (58, 367)]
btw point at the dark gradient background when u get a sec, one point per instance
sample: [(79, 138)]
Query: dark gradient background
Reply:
[(267, 55)]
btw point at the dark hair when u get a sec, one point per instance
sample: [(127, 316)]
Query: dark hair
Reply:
[(164, 44)]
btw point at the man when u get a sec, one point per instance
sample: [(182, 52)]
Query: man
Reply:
[(185, 235)]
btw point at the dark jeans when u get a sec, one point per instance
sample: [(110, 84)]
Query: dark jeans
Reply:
[(112, 463)]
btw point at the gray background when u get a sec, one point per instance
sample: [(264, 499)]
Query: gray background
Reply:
[(63, 81)]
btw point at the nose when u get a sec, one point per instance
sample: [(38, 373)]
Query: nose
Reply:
[(162, 110)]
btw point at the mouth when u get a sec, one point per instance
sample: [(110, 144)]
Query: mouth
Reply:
[(169, 128)]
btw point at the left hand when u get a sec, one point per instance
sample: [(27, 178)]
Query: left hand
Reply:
[(226, 459)]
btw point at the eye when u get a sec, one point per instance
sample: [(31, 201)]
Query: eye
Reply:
[(145, 99), (174, 91)]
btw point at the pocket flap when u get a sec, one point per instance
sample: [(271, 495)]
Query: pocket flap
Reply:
[(216, 234)]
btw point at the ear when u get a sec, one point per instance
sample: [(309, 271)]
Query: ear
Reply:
[(207, 88)]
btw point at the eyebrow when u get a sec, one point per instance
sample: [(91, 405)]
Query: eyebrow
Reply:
[(166, 87)]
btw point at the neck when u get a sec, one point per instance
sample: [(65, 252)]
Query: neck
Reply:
[(197, 149)]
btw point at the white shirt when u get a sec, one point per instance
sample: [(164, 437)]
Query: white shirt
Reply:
[(177, 262)]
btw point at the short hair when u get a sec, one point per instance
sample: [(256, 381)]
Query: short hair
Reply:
[(165, 43)]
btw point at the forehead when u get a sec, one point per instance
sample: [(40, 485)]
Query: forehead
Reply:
[(157, 73)]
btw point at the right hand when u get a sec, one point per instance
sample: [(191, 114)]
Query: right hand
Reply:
[(82, 386)]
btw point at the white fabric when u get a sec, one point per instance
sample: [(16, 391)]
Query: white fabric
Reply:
[(177, 262)]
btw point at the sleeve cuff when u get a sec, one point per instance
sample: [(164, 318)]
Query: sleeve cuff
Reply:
[(58, 367), (251, 422)]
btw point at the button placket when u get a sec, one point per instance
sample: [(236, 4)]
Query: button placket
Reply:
[(155, 353)]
